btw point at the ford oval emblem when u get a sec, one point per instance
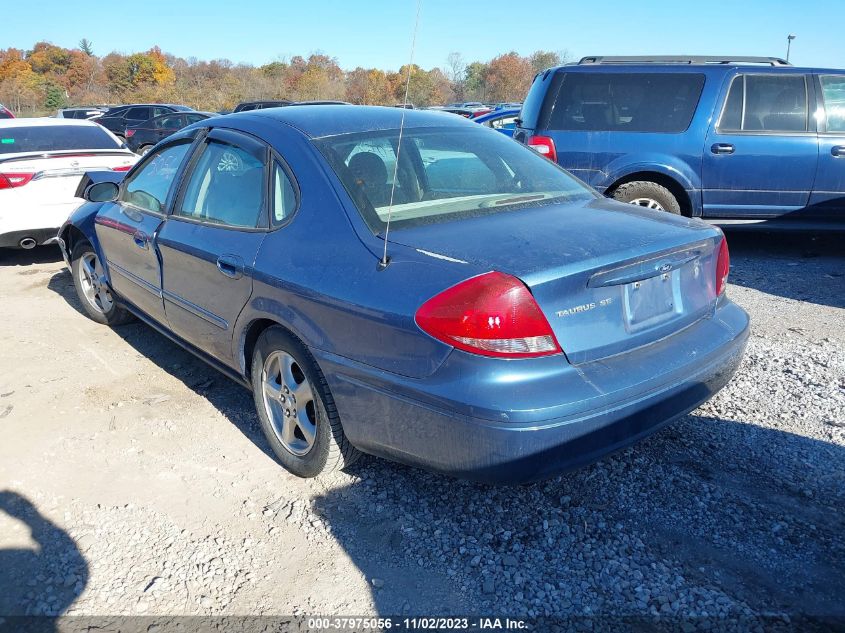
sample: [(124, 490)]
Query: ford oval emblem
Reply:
[(664, 268)]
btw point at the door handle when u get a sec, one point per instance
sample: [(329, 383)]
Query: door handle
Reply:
[(722, 148), (231, 265), (838, 151), (141, 240)]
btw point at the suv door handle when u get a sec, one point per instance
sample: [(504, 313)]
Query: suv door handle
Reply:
[(141, 240), (231, 265), (838, 151), (722, 148)]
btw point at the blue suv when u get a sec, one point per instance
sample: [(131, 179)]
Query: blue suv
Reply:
[(732, 140)]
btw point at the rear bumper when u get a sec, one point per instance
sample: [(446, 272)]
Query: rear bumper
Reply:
[(12, 239), (579, 414)]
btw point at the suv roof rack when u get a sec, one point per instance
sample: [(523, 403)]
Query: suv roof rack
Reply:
[(683, 59)]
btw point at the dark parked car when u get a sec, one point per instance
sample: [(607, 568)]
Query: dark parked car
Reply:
[(731, 140), (141, 139), (260, 105), (116, 120), (519, 324)]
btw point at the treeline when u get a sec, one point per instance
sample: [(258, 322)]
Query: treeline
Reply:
[(48, 77)]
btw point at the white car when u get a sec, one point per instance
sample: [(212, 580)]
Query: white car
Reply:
[(41, 164)]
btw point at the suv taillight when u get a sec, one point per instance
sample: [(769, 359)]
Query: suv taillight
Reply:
[(12, 180), (544, 146), (493, 315), (723, 266), (129, 133)]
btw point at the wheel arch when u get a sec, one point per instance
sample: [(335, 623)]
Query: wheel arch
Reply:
[(249, 337)]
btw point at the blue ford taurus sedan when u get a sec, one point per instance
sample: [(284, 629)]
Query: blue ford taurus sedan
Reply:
[(519, 325)]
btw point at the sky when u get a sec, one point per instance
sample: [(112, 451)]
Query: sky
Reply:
[(378, 33)]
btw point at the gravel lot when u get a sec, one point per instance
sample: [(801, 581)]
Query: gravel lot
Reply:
[(135, 480)]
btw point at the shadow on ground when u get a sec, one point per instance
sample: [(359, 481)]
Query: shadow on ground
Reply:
[(41, 580), (37, 255), (795, 265), (230, 399)]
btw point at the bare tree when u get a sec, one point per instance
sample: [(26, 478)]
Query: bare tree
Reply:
[(456, 70)]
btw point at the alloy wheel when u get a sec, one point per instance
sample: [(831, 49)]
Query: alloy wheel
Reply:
[(649, 203), (93, 282), (289, 403)]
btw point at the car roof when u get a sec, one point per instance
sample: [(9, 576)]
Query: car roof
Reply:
[(697, 67), (328, 120), (45, 122)]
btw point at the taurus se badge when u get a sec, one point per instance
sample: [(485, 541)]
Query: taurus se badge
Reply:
[(584, 307)]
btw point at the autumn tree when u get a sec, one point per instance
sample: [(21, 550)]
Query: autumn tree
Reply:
[(508, 77)]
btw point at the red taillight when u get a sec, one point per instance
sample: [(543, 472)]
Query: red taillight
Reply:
[(122, 168), (493, 315), (10, 181), (130, 133), (544, 146), (723, 266)]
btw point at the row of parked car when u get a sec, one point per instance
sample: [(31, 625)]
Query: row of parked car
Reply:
[(733, 140)]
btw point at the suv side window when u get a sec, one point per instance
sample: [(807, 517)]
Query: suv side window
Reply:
[(833, 92), (766, 103), (626, 102), (142, 113), (147, 187), (227, 187)]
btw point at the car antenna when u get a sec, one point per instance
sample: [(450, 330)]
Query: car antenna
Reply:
[(385, 260)]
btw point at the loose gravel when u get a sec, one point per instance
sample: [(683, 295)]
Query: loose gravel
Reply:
[(143, 477)]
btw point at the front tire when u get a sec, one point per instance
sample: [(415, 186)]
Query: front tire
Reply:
[(647, 194), (92, 288), (295, 408)]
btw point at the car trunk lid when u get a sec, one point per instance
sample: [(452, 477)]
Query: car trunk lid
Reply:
[(609, 277)]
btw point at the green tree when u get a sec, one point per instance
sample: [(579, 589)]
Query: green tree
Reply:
[(86, 47)]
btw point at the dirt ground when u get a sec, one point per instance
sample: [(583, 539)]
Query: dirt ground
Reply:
[(135, 480)]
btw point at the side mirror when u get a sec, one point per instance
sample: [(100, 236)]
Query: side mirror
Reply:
[(102, 192)]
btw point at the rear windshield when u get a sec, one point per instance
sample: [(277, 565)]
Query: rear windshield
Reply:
[(626, 102), (443, 174), (48, 138)]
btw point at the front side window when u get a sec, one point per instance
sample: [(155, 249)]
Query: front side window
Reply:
[(227, 187), (148, 186), (626, 102), (443, 174), (833, 91), (766, 103)]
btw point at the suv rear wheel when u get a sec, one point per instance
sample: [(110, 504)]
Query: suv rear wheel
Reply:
[(647, 194)]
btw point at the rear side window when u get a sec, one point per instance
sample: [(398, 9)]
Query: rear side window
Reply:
[(226, 187), (284, 195), (833, 91), (169, 122), (766, 103), (48, 138), (627, 102)]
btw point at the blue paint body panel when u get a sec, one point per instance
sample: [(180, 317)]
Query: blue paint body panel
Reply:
[(401, 393)]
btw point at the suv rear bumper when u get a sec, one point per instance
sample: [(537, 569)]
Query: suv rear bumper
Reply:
[(12, 239), (597, 408)]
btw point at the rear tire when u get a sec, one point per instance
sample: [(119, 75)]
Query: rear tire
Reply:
[(144, 149), (647, 194), (92, 288), (295, 407)]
